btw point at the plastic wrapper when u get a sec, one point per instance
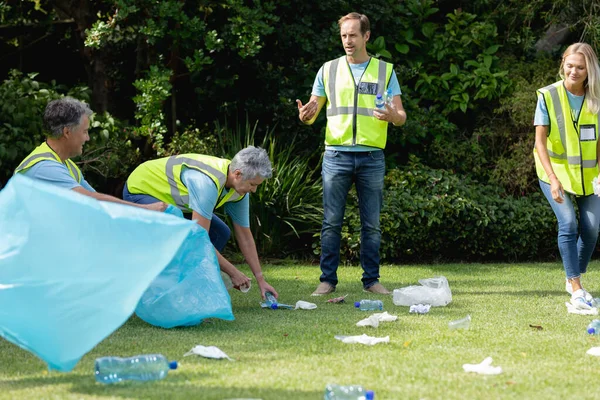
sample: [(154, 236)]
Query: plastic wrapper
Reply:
[(433, 291), (189, 289), (72, 269)]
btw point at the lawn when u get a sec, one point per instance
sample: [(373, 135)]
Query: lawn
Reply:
[(283, 354)]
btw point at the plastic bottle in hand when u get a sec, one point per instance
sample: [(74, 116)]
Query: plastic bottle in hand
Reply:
[(369, 305), (594, 327), (272, 303), (389, 97), (379, 101), (352, 392), (146, 367)]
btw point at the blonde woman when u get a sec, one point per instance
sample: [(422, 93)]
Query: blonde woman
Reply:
[(566, 158)]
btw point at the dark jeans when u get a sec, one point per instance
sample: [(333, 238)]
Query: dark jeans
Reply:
[(366, 170), (219, 232)]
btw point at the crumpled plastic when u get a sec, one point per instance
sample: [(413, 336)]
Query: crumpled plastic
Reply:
[(362, 339), (208, 352), (419, 308), (434, 291), (229, 284), (484, 368), (73, 268), (594, 351), (189, 289), (305, 305), (375, 319), (571, 309)]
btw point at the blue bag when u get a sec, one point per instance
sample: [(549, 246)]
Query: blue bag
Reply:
[(73, 269)]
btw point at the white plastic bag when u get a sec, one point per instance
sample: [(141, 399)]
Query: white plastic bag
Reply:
[(434, 291)]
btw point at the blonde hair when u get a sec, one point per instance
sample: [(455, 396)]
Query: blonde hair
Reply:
[(592, 83)]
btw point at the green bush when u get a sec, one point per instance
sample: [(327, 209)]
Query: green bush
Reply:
[(431, 214)]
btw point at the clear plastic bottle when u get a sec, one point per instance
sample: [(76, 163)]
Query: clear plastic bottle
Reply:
[(145, 367), (352, 392), (379, 101), (272, 303), (594, 327), (369, 305), (389, 97)]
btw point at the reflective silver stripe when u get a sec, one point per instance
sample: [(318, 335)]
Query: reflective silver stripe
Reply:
[(558, 156), (589, 163), (183, 200), (334, 110), (573, 160), (558, 111), (28, 161), (74, 170)]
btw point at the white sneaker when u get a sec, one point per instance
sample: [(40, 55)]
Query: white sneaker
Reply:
[(588, 297), (579, 301)]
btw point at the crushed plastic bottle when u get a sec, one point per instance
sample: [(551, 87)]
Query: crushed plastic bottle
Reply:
[(369, 305), (145, 367), (272, 303), (594, 327), (351, 392), (462, 323)]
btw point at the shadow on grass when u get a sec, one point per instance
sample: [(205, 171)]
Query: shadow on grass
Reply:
[(184, 386)]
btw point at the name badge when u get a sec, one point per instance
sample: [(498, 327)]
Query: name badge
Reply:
[(587, 132), (367, 88)]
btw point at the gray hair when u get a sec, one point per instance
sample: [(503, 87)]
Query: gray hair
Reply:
[(65, 112), (252, 162)]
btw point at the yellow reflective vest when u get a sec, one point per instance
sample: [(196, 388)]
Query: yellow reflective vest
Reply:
[(350, 119), (44, 153), (572, 145), (161, 178)]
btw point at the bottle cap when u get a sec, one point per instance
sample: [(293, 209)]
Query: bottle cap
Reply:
[(357, 304), (274, 306), (173, 365), (379, 96), (369, 395), (591, 331)]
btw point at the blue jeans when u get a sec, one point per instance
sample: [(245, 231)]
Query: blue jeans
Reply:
[(575, 243), (366, 170), (219, 233)]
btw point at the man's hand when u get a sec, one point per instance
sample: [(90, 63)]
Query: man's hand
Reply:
[(265, 287), (307, 112), (160, 206), (385, 114), (239, 280)]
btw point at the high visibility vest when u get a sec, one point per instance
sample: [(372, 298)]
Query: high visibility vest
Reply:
[(161, 178), (571, 144), (350, 119), (44, 153)]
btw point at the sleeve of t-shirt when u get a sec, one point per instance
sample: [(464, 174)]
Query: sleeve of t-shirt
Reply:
[(541, 113), (54, 173), (394, 84), (239, 211), (86, 185), (318, 86), (203, 192)]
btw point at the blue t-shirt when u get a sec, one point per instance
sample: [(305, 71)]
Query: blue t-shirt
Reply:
[(55, 173), (357, 71), (541, 112), (203, 198)]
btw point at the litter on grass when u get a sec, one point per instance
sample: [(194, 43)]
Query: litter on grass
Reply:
[(483, 368), (363, 339), (419, 308), (305, 305), (434, 291), (375, 319), (208, 352)]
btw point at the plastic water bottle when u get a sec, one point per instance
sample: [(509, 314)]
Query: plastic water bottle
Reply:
[(352, 392), (379, 101), (594, 327), (146, 367), (272, 303), (369, 305), (389, 97)]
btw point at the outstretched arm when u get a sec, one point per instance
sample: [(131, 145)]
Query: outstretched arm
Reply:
[(309, 112), (160, 206)]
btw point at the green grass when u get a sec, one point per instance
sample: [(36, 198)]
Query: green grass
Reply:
[(282, 354)]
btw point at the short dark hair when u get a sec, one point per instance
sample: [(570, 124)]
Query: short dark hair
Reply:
[(365, 25)]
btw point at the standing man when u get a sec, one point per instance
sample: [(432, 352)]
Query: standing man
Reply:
[(354, 141), (67, 121), (198, 184)]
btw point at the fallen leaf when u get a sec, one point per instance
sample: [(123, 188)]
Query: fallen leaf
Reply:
[(538, 327), (407, 343), (337, 299)]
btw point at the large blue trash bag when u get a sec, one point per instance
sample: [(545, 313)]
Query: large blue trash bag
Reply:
[(189, 289), (72, 269)]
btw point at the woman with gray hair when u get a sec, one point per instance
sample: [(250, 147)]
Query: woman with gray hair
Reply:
[(67, 121), (197, 184)]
